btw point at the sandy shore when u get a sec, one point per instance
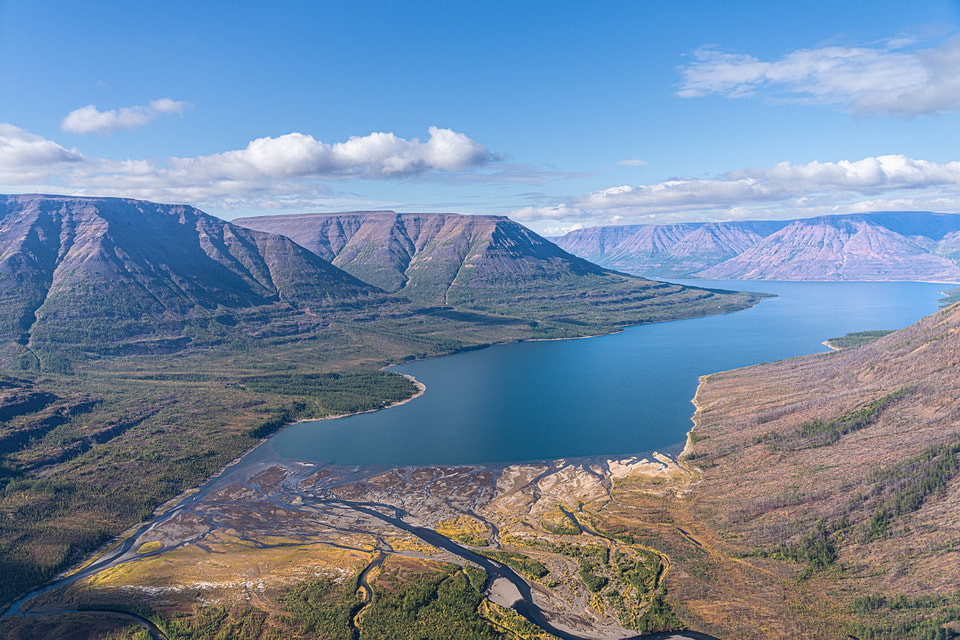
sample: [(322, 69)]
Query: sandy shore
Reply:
[(696, 404)]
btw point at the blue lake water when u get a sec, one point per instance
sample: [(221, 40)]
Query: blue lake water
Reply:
[(614, 395)]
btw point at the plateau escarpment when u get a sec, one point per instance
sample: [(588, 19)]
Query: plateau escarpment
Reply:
[(108, 276), (430, 257), (878, 246), (485, 263), (109, 272)]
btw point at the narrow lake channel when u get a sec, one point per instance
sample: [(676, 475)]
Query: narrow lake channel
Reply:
[(614, 395)]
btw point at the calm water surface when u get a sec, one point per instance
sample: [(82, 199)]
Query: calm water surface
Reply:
[(614, 395)]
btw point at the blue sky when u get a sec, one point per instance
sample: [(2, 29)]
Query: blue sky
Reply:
[(558, 114)]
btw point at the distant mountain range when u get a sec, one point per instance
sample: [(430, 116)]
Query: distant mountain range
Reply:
[(909, 245), (116, 276)]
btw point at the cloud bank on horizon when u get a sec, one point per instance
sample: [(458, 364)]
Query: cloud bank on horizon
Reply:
[(289, 171), (892, 182), (28, 158), (886, 81)]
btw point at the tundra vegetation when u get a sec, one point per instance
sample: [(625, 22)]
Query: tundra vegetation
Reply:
[(143, 347), (836, 476), (816, 500)]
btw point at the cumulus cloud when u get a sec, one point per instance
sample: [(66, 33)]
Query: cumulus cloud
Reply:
[(26, 157), (89, 119), (882, 81), (785, 190), (378, 155), (287, 171)]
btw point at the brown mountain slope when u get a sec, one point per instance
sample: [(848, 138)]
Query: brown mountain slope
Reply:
[(427, 256), (710, 244), (840, 473), (836, 249), (91, 270), (486, 263), (665, 249)]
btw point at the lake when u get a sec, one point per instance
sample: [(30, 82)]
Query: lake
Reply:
[(615, 395)]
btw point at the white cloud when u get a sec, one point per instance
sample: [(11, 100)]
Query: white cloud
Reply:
[(785, 190), (89, 119), (556, 213), (166, 105), (26, 157), (864, 80), (286, 171), (636, 162), (378, 155)]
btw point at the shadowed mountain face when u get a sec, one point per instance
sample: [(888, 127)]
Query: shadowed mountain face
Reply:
[(879, 246), (80, 269), (490, 264), (429, 257)]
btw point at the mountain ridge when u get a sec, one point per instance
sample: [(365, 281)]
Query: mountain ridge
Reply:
[(489, 264), (73, 269), (871, 246), (88, 277), (425, 256)]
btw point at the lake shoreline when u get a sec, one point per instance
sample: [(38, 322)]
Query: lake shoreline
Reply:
[(421, 389), (346, 498), (263, 457), (688, 445), (654, 374)]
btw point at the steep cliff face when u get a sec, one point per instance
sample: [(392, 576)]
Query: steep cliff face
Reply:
[(429, 257), (879, 246), (75, 269)]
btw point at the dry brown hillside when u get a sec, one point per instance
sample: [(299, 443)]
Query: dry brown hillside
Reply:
[(838, 472)]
